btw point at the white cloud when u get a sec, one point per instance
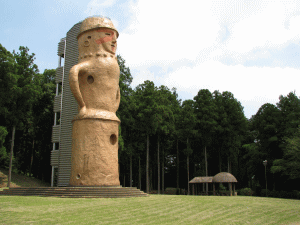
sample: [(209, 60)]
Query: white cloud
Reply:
[(169, 31), (95, 7), (266, 29), (193, 37), (249, 85)]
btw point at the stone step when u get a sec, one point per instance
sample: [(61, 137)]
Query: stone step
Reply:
[(69, 192), (76, 192), (81, 195), (87, 193)]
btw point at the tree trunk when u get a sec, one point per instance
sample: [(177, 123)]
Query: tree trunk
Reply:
[(177, 166), (130, 170), (228, 165), (188, 166), (220, 161), (163, 172), (188, 172), (147, 166), (150, 178), (11, 155), (31, 160), (140, 174), (206, 169), (158, 168)]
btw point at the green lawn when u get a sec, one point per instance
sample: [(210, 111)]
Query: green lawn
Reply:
[(156, 209)]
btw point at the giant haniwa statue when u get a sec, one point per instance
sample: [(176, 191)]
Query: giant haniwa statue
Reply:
[(94, 82)]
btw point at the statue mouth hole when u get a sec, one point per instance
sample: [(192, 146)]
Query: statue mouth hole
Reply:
[(90, 79), (113, 139)]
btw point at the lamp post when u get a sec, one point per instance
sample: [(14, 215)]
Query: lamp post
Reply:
[(265, 164)]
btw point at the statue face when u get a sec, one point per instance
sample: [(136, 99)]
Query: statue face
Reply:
[(108, 39)]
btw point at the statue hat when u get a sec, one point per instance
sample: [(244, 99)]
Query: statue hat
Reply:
[(96, 22)]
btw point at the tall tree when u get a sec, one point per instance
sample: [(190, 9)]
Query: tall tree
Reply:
[(176, 108), (21, 89), (205, 109), (145, 95), (126, 112), (289, 165), (289, 107), (187, 130), (234, 127), (165, 120), (222, 122), (40, 127)]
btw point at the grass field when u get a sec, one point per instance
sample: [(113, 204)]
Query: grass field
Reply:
[(156, 209)]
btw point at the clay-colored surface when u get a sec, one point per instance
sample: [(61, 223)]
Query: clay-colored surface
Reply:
[(95, 153), (94, 82)]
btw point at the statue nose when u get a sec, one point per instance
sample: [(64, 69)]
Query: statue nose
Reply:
[(114, 40)]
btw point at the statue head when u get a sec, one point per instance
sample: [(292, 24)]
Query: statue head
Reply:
[(97, 34)]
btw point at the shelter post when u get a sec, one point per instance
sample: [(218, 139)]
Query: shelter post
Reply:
[(234, 189), (214, 189)]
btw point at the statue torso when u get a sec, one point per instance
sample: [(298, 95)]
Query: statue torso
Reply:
[(99, 83)]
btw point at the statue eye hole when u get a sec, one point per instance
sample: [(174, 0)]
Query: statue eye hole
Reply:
[(89, 37), (108, 34)]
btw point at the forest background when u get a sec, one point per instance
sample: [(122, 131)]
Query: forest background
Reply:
[(163, 142)]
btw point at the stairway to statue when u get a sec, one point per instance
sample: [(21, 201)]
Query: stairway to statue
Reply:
[(76, 192)]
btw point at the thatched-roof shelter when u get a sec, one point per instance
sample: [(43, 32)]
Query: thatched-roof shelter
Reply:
[(225, 177), (222, 177), (200, 180)]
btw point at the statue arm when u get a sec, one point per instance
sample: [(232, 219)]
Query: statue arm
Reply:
[(74, 84)]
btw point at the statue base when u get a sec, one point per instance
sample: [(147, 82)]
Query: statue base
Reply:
[(95, 152)]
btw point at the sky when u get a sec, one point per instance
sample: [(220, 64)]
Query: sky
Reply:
[(248, 47)]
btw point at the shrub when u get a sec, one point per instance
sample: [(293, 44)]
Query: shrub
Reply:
[(296, 194), (222, 187), (257, 191), (281, 194), (273, 193), (4, 157), (180, 191), (245, 192), (263, 193), (170, 191)]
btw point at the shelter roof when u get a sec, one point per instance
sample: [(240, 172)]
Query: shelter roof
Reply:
[(201, 180), (224, 177)]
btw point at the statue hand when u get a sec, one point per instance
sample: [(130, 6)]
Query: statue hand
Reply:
[(82, 111)]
